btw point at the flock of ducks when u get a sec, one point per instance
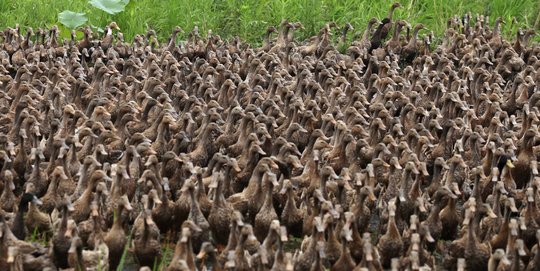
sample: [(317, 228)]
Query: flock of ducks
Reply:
[(384, 153)]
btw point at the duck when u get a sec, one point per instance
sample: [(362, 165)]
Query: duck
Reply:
[(536, 256), (360, 210), (183, 250), (450, 219), (146, 243), (18, 226), (433, 222), (208, 257), (8, 198), (345, 261), (221, 212), (116, 238), (196, 215), (267, 213), (428, 130), (522, 170), (411, 50), (476, 254), (82, 205), (35, 219), (62, 239), (306, 259), (390, 244), (291, 216)]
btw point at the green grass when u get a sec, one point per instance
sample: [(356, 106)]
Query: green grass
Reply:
[(248, 19), (38, 237)]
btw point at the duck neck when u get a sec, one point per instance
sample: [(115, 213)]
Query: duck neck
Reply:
[(392, 229), (497, 204), (414, 38), (268, 200), (511, 247), (405, 179), (397, 31), (536, 259), (365, 36), (195, 208), (163, 131), (117, 225), (322, 184), (471, 234), (36, 172), (437, 174), (434, 215), (63, 222), (503, 230), (451, 205), (87, 194), (146, 231), (475, 150), (18, 223), (290, 204), (219, 198), (493, 263)]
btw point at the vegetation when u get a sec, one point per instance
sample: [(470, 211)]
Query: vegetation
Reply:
[(248, 19)]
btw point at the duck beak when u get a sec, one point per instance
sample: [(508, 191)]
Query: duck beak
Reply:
[(521, 251), (513, 208), (283, 234), (261, 152), (72, 249), (252, 238), (402, 195), (422, 208), (424, 170), (69, 232), (455, 190), (37, 201), (371, 195), (70, 207), (296, 163), (10, 258), (201, 255), (522, 225), (509, 164), (429, 238), (149, 220), (273, 179), (491, 214), (129, 207)]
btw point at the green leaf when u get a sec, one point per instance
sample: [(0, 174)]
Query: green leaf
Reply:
[(72, 19), (110, 6)]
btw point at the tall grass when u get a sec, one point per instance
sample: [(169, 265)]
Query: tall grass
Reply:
[(248, 19)]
